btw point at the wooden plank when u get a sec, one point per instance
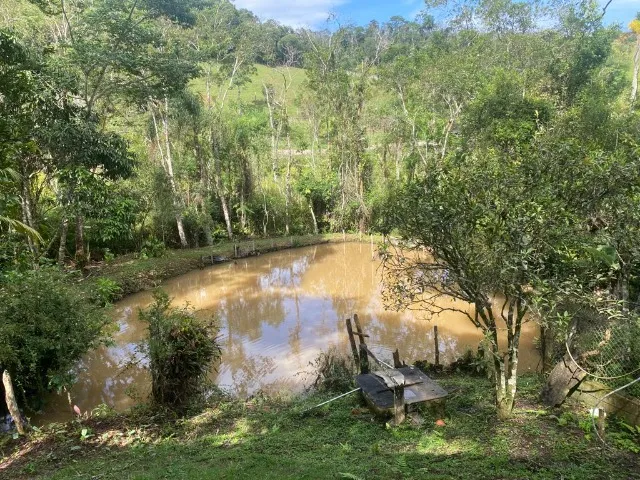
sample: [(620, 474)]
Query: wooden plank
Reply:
[(371, 354), (361, 335), (419, 388), (352, 341)]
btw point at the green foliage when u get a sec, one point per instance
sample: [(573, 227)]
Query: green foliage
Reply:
[(625, 436), (181, 351), (246, 440), (47, 325), (334, 372), (153, 248), (107, 290)]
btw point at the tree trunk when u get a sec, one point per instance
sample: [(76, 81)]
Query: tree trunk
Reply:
[(315, 221), (80, 256), (636, 67), (27, 211), (180, 224), (505, 367), (177, 204), (12, 404), (62, 249), (227, 216), (287, 188), (167, 164), (265, 219), (274, 133), (207, 235)]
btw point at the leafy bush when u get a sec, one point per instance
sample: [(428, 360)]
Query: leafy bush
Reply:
[(181, 350), (47, 325), (153, 249), (334, 372), (108, 256), (107, 290)]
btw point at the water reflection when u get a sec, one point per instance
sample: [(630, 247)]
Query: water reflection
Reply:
[(276, 313)]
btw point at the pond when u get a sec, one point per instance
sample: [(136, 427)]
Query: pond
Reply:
[(276, 313)]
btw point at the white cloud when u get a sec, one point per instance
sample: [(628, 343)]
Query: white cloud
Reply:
[(295, 13)]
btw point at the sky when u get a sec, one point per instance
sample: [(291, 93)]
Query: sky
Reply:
[(314, 13)]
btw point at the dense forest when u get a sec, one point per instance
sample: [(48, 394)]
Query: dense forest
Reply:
[(503, 140)]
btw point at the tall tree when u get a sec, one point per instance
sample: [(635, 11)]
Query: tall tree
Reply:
[(634, 26)]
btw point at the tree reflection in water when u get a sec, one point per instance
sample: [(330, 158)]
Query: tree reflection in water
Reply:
[(276, 313)]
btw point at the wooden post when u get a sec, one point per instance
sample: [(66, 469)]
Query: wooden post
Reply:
[(437, 345), (364, 359), (12, 404), (398, 404), (373, 255), (344, 236), (600, 423), (396, 359), (352, 341), (356, 320)]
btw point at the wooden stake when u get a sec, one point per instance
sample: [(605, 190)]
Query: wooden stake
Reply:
[(352, 341), (396, 359), (364, 359), (600, 424), (361, 334), (12, 404), (437, 345)]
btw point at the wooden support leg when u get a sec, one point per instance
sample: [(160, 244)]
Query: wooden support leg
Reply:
[(398, 405)]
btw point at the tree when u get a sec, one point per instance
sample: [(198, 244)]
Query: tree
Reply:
[(47, 325), (634, 26), (503, 224)]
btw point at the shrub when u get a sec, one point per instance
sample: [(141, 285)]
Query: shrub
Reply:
[(153, 249), (334, 372), (181, 350), (107, 290), (47, 326)]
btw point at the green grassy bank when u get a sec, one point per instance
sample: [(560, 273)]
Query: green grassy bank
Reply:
[(133, 273), (271, 439)]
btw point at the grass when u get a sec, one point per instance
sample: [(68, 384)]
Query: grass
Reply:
[(133, 274), (270, 439), (252, 92)]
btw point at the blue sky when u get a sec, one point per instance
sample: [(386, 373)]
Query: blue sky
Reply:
[(313, 13)]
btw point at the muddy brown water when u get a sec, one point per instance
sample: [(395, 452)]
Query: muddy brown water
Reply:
[(276, 313)]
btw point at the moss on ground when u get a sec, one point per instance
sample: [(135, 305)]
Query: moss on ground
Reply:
[(271, 439)]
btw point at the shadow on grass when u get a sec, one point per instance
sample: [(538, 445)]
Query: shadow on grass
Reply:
[(269, 439)]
